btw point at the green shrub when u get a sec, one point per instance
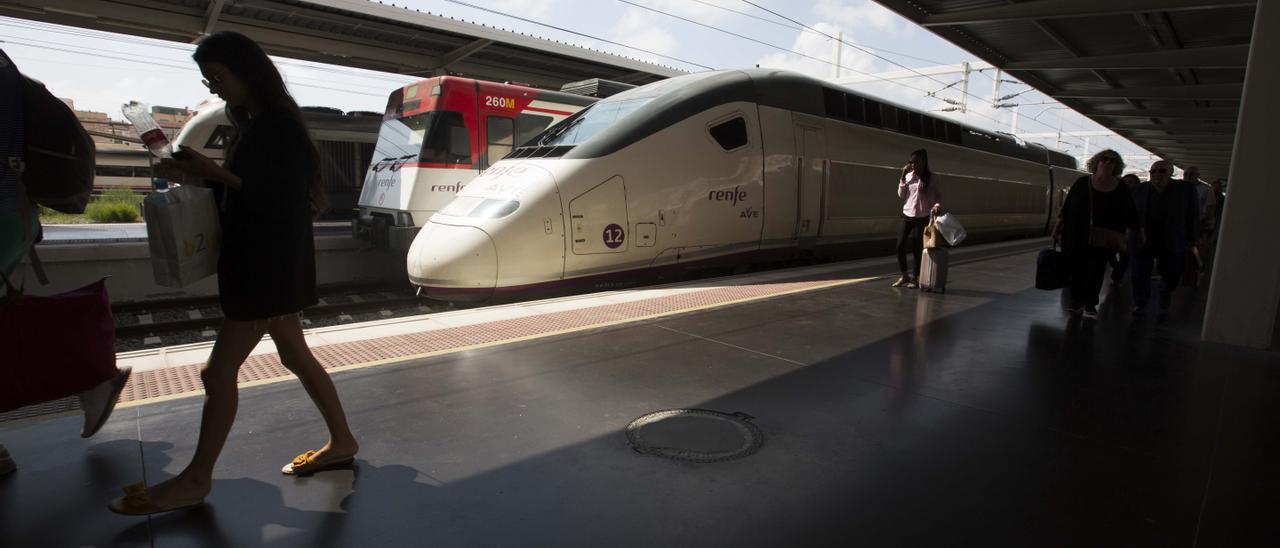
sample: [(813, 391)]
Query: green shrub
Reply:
[(120, 195), (112, 212)]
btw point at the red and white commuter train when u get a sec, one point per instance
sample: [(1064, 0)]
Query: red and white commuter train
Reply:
[(438, 134)]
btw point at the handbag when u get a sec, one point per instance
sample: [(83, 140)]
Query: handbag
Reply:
[(930, 236), (54, 346), (1052, 270), (1104, 238)]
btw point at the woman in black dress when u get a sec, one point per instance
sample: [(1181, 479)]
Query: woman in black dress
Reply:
[(1097, 200), (267, 194)]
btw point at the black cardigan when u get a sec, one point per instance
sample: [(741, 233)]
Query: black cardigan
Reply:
[(267, 265), (1113, 210)]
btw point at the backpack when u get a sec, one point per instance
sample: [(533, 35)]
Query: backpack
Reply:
[(46, 158), (55, 161)]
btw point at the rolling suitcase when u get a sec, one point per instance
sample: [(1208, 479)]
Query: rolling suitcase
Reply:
[(933, 269)]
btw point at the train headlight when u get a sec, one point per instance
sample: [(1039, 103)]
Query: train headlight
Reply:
[(480, 208)]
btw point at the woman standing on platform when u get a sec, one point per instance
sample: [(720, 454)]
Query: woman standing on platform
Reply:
[(268, 193), (1091, 227), (918, 189)]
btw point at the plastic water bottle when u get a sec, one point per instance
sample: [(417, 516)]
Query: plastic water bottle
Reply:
[(148, 129), (160, 184)]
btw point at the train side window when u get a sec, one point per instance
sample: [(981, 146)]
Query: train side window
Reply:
[(218, 138), (891, 114), (853, 108), (529, 126), (499, 132), (731, 134), (913, 119), (873, 113), (953, 133), (834, 101), (926, 127)]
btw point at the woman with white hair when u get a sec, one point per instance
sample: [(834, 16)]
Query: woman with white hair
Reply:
[(1091, 227)]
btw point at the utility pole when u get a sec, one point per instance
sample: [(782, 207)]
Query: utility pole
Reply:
[(964, 90), (995, 90), (839, 51)]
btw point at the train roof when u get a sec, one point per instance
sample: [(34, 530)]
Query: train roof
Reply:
[(675, 99)]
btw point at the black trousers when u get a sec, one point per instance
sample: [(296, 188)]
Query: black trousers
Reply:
[(911, 233), (1088, 265), (1171, 266)]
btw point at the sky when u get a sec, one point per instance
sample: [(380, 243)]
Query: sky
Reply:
[(99, 71)]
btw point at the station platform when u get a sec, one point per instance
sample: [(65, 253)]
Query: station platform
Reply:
[(983, 416)]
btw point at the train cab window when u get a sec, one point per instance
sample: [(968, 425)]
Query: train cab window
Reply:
[(218, 138), (499, 132), (529, 126), (731, 134), (443, 135), (834, 102), (853, 108), (873, 113)]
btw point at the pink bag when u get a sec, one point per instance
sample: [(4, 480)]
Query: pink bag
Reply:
[(54, 346)]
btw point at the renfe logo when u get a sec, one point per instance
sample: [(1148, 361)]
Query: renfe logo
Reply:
[(447, 188), (734, 195)]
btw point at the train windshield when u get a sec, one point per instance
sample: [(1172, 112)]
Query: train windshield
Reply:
[(438, 137), (588, 122)]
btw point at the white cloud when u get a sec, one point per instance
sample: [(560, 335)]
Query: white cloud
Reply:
[(862, 14), (821, 53), (644, 29)]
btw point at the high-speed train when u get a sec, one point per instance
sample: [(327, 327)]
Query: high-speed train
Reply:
[(720, 167), (345, 143)]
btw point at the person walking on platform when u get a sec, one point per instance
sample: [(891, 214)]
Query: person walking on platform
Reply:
[(1170, 213), (918, 189), (1091, 227), (1120, 260), (269, 192)]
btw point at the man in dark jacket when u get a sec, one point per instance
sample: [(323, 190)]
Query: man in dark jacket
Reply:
[(1170, 211)]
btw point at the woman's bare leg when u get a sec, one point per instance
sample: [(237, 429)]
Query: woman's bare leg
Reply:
[(286, 331), (221, 398)]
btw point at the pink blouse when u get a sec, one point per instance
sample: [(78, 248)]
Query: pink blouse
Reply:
[(917, 204)]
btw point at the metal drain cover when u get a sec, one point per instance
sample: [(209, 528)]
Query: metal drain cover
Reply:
[(695, 435)]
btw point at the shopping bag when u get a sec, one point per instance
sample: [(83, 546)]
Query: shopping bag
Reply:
[(950, 228), (183, 234), (54, 346), (1051, 269)]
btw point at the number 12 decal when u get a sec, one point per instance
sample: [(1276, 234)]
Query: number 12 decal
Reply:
[(614, 236)]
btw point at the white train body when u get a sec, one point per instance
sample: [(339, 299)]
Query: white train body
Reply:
[(716, 168)]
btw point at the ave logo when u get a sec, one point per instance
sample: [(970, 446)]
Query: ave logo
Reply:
[(749, 213)]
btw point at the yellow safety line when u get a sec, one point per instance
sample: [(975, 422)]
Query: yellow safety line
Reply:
[(400, 359)]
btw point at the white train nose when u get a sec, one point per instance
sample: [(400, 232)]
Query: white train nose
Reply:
[(453, 259)]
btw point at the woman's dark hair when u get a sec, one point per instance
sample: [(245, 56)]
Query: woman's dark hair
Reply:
[(249, 63), (922, 168)]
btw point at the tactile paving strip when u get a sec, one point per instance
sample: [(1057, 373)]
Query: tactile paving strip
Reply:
[(177, 381)]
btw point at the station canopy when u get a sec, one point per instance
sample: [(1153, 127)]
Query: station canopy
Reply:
[(1166, 74), (353, 33)]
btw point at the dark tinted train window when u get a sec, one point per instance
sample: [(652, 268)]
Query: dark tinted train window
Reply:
[(218, 138), (834, 101), (529, 126), (926, 127), (891, 115), (853, 108), (904, 120), (953, 133), (498, 134), (731, 134), (913, 121), (873, 112)]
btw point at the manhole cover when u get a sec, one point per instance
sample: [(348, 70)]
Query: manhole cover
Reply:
[(695, 435)]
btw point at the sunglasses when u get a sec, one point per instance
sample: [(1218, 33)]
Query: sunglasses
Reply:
[(215, 80)]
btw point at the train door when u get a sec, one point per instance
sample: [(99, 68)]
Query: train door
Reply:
[(811, 163)]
